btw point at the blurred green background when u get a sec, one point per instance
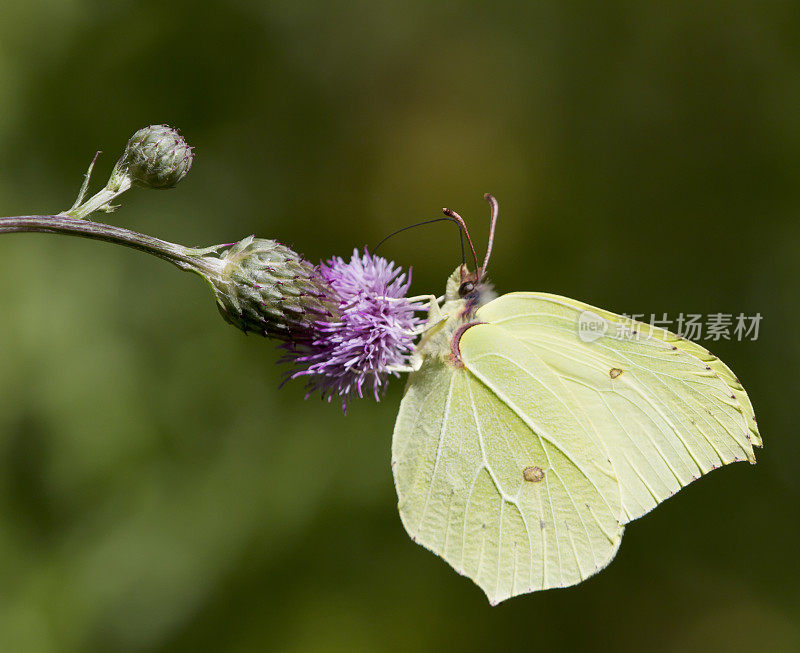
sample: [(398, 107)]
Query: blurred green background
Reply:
[(159, 493)]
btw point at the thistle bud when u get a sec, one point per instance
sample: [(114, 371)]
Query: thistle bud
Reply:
[(155, 157), (265, 287)]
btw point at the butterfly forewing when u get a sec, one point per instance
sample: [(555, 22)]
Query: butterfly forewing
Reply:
[(694, 349), (664, 415)]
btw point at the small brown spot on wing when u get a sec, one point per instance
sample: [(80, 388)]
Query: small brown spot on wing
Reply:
[(614, 372), (533, 474)]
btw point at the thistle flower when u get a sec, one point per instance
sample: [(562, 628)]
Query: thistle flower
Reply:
[(372, 335)]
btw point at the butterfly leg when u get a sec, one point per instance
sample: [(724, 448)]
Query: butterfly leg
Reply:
[(435, 318), (433, 299), (433, 308), (405, 369)]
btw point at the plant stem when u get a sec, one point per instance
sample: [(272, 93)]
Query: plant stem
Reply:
[(190, 259), (94, 203)]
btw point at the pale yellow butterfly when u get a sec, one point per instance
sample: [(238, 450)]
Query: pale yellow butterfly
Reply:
[(535, 427)]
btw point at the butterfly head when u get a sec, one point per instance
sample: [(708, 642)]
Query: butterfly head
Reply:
[(466, 291)]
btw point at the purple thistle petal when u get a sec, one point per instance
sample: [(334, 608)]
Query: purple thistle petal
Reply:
[(373, 332)]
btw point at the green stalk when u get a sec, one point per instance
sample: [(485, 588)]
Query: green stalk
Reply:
[(185, 258)]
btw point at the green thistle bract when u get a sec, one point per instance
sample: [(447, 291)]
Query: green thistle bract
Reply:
[(264, 287)]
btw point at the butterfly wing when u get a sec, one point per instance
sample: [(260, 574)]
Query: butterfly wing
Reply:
[(498, 470), (666, 410)]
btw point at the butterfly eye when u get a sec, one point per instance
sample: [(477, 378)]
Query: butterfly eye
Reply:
[(466, 288)]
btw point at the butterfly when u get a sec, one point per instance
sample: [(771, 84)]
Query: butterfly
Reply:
[(534, 428)]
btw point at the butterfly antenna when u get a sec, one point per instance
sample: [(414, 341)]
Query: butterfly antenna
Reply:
[(495, 212), (419, 224), (460, 220)]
